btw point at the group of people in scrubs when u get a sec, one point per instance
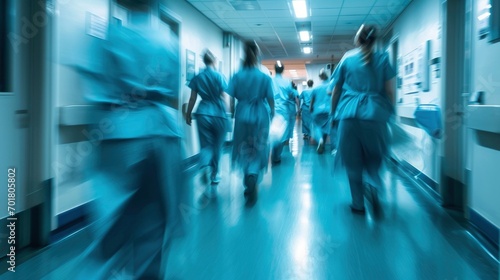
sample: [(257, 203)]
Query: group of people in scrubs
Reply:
[(139, 159), (355, 103)]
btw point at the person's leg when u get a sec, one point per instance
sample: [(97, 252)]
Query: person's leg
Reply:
[(306, 121), (333, 134), (207, 144), (172, 190), (276, 152), (219, 133), (117, 181), (292, 118), (374, 149), (350, 151)]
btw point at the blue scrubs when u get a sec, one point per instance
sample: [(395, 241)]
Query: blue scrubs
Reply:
[(363, 111), (138, 175), (321, 111), (284, 96), (251, 88), (211, 117), (305, 100)]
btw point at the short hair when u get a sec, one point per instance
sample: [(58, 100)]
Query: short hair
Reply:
[(310, 83), (323, 75), (208, 58)]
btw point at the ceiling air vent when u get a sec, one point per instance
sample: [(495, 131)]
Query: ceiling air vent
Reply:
[(244, 5)]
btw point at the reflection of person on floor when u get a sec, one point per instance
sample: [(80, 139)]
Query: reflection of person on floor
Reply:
[(363, 103), (210, 116), (320, 111), (305, 104), (253, 90), (286, 98), (138, 172)]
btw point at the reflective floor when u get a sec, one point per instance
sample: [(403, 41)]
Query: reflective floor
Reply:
[(302, 228)]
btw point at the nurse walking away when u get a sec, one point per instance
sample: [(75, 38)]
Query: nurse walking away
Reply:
[(363, 102), (253, 90), (138, 171), (320, 110), (211, 117), (287, 102), (305, 103)]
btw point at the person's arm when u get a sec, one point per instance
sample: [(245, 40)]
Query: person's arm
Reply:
[(311, 106), (270, 101), (389, 90), (337, 90), (192, 101)]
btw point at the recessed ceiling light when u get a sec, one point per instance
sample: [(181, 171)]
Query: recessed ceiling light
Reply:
[(307, 50), (304, 36), (300, 8)]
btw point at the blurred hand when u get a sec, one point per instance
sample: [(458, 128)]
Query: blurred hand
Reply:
[(188, 119)]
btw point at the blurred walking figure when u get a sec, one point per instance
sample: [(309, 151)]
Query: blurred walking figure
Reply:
[(305, 104), (253, 90), (210, 116), (320, 111), (363, 102), (287, 102), (138, 172)]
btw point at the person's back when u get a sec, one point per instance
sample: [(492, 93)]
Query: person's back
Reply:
[(362, 102), (364, 81), (322, 98), (209, 85), (140, 80), (253, 90), (305, 96)]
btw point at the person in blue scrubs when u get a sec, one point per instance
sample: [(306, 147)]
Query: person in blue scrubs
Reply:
[(211, 117), (305, 104), (253, 91), (138, 175), (363, 102), (287, 102), (320, 111)]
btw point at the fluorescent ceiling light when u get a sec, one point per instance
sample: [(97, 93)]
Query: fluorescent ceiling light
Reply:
[(483, 16), (300, 9), (307, 50), (304, 36)]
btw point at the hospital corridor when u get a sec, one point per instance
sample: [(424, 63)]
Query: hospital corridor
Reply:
[(249, 139)]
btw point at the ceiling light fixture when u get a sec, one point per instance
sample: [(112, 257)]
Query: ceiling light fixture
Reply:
[(300, 9), (304, 36), (307, 50)]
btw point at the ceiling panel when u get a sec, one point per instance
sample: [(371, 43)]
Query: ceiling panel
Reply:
[(273, 5), (329, 4), (359, 3), (333, 23), (355, 11), (325, 12), (278, 14)]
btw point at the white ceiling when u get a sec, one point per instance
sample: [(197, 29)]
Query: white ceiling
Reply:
[(273, 25)]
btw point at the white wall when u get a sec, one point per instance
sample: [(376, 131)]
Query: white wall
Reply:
[(485, 175), (197, 33), (420, 22)]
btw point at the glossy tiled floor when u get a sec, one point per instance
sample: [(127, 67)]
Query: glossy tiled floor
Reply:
[(301, 228)]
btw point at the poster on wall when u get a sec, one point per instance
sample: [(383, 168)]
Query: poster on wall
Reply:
[(190, 65), (410, 72)]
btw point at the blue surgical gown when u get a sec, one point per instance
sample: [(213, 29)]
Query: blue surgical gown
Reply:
[(251, 88)]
